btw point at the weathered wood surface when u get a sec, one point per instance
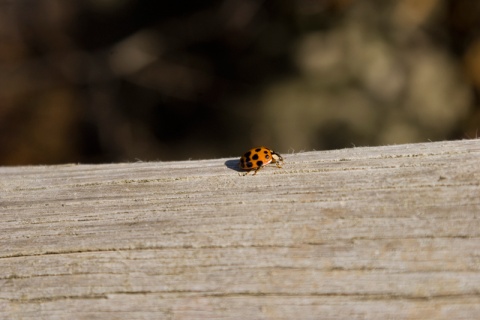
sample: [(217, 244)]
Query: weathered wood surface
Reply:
[(363, 233)]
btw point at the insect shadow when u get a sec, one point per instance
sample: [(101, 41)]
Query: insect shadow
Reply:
[(234, 165)]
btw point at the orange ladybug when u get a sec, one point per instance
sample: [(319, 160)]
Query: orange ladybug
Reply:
[(257, 158)]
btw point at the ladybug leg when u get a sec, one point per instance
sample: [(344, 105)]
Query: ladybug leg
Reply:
[(256, 170)]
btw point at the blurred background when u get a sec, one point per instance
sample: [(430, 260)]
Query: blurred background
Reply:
[(92, 81)]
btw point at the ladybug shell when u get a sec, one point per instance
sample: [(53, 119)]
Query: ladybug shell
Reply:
[(258, 157)]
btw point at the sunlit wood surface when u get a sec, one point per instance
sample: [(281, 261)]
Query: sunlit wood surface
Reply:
[(363, 233)]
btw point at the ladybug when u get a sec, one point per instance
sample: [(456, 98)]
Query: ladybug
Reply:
[(257, 158)]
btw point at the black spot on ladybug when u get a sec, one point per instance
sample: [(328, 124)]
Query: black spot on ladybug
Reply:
[(249, 164), (255, 157), (259, 163), (267, 156), (258, 150), (265, 151)]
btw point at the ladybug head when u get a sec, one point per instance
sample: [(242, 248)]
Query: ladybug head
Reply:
[(276, 157)]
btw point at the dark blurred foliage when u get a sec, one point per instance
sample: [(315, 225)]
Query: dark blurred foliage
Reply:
[(124, 80)]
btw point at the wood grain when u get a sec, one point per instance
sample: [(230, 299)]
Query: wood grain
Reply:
[(364, 233)]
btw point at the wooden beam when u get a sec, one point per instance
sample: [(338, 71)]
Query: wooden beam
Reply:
[(375, 233)]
